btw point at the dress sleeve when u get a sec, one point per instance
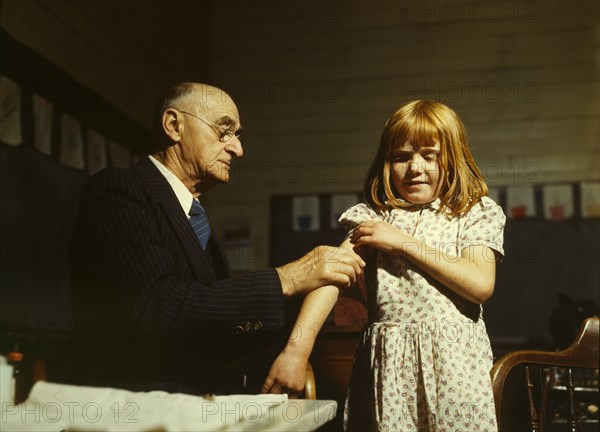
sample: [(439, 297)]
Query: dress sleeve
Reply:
[(358, 214), (484, 225)]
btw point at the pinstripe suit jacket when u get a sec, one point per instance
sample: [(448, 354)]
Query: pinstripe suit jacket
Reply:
[(150, 295)]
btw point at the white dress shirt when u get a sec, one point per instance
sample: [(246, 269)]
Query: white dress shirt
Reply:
[(184, 196)]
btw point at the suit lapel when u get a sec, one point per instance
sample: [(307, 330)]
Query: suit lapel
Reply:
[(160, 191)]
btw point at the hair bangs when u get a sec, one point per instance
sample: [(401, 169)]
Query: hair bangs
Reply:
[(415, 127)]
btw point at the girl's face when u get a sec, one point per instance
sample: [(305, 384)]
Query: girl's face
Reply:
[(416, 173)]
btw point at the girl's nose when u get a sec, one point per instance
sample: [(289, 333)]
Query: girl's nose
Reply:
[(416, 165)]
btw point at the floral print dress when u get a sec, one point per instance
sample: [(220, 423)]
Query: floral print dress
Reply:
[(423, 361)]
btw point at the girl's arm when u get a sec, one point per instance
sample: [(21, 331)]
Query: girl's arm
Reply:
[(472, 275), (288, 372)]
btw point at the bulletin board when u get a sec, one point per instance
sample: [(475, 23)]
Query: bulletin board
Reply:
[(54, 134)]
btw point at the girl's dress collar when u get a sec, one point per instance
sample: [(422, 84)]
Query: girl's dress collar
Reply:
[(435, 204)]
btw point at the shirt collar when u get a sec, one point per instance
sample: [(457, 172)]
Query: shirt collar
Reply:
[(184, 196), (435, 204)]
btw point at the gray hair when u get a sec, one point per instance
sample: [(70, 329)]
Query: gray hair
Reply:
[(170, 98)]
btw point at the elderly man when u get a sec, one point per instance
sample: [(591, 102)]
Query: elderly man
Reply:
[(152, 293)]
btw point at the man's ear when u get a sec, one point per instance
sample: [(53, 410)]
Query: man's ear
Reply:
[(171, 125)]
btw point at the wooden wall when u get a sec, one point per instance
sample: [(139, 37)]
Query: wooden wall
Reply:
[(315, 82), (127, 52)]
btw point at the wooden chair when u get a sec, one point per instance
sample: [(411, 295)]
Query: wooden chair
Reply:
[(582, 353), (310, 388)]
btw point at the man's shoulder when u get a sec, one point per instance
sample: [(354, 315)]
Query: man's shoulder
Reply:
[(143, 168), (111, 178)]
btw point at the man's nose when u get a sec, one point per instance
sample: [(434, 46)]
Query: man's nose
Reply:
[(234, 145)]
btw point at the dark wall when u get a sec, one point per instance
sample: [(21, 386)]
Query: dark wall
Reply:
[(39, 199), (542, 260), (39, 196)]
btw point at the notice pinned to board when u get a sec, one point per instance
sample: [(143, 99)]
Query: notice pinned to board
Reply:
[(71, 142), (42, 124), (305, 213), (10, 112), (558, 202), (520, 202), (96, 152), (590, 200)]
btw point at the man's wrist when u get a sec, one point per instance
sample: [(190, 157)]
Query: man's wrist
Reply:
[(287, 281)]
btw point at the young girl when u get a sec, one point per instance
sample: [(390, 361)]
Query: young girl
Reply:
[(430, 238)]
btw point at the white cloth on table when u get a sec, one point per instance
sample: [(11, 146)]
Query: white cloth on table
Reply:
[(57, 407)]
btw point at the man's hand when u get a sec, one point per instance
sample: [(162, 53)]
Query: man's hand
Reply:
[(287, 375), (324, 265)]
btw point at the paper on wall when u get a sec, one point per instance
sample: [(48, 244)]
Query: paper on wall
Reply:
[(590, 199), (10, 112), (520, 202), (558, 202), (96, 152), (305, 213), (71, 142), (42, 124)]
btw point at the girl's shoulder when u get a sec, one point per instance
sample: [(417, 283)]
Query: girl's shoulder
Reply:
[(486, 208), (359, 213), (487, 204)]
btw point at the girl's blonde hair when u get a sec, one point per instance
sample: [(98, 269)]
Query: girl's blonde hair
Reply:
[(425, 122)]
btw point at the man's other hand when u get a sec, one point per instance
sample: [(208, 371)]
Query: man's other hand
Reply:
[(287, 375)]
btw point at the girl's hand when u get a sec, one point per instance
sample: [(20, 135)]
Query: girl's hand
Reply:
[(471, 275), (380, 235)]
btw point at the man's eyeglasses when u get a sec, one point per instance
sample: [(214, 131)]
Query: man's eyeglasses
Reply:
[(225, 133)]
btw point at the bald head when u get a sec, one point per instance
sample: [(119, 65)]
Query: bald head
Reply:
[(185, 95)]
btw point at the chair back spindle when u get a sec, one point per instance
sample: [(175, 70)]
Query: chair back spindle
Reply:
[(572, 417), (547, 380), (533, 416)]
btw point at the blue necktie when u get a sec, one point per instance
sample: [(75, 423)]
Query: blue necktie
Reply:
[(199, 222)]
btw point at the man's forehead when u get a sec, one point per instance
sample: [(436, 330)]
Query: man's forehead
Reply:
[(204, 93), (216, 103)]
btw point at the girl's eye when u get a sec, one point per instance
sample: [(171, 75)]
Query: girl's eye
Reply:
[(431, 156), (400, 158)]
